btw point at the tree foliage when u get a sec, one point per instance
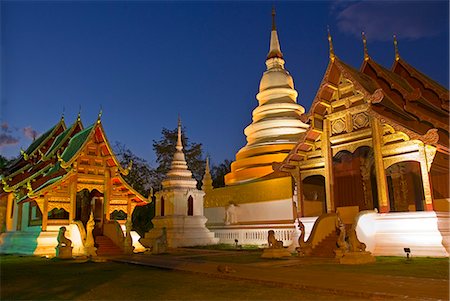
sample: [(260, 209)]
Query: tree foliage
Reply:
[(219, 171), (4, 163), (165, 149), (141, 176)]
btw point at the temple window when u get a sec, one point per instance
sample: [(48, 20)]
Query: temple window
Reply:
[(34, 214), (190, 207), (162, 206)]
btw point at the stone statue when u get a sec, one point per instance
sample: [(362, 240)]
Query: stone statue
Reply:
[(273, 242), (230, 214), (275, 248), (64, 247), (128, 242), (160, 244), (63, 241), (304, 248), (89, 243)]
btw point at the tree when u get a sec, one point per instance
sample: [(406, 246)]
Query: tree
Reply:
[(4, 163), (142, 178), (165, 149), (218, 173)]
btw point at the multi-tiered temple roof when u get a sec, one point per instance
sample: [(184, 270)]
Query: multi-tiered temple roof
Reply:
[(52, 158)]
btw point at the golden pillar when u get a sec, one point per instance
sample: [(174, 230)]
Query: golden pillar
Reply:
[(328, 160), (299, 188), (380, 173), (73, 199), (428, 202), (45, 214), (9, 212), (107, 194)]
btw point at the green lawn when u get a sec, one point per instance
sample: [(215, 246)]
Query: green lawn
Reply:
[(34, 278)]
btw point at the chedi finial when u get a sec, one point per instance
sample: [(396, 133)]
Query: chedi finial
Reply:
[(179, 142), (274, 27)]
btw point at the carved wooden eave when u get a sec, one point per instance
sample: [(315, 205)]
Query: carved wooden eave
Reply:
[(431, 137)]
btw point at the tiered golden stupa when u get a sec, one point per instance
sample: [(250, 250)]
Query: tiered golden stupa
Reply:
[(276, 124)]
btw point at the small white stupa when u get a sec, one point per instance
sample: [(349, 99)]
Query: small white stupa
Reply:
[(179, 207)]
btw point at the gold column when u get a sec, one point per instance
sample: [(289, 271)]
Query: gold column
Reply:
[(428, 204), (129, 212), (73, 199), (107, 194), (45, 214), (9, 210), (380, 173), (328, 158)]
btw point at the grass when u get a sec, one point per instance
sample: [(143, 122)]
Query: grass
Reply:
[(34, 278), (228, 247)]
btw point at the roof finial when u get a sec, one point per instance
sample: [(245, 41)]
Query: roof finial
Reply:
[(207, 170), (100, 114), (62, 114), (274, 50), (79, 114), (179, 143), (366, 52), (330, 42), (397, 55), (274, 27)]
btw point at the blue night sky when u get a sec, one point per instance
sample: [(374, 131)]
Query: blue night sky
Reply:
[(146, 62)]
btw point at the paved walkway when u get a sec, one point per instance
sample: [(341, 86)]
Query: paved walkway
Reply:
[(296, 273)]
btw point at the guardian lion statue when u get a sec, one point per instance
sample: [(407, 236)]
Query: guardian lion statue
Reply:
[(273, 242)]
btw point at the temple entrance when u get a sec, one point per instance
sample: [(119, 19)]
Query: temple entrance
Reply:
[(353, 184), (405, 187), (87, 202), (314, 198)]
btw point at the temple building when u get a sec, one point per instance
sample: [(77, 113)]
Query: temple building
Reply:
[(374, 147), (254, 195), (179, 219), (378, 138), (65, 175), (377, 152)]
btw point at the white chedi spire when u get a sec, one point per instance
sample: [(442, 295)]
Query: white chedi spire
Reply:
[(276, 124), (179, 175)]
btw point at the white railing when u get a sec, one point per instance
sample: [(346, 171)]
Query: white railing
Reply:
[(253, 236)]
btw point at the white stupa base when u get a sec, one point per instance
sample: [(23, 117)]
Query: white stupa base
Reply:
[(182, 231)]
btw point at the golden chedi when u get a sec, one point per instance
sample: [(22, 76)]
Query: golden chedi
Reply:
[(276, 124)]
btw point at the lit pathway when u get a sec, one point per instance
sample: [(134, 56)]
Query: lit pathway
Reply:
[(283, 273)]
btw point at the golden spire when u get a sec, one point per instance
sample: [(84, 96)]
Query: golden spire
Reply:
[(99, 117), (330, 42), (275, 49), (397, 55), (62, 114), (207, 165), (179, 143), (274, 27), (207, 180), (79, 115), (366, 53)]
